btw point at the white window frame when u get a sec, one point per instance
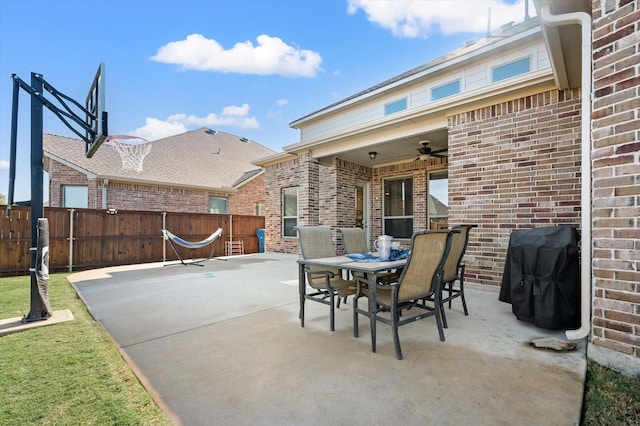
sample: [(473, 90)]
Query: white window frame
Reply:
[(226, 204), (74, 197), (429, 193), (384, 201), (284, 217), (406, 105), (259, 208), (505, 64)]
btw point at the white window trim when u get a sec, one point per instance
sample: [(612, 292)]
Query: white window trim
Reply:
[(384, 201), (297, 216)]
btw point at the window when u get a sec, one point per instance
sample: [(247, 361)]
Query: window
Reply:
[(438, 204), (398, 207), (289, 211), (445, 90), (75, 196), (511, 69), (258, 208), (217, 205), (396, 106)]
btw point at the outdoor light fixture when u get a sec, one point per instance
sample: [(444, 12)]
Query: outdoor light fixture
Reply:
[(373, 155)]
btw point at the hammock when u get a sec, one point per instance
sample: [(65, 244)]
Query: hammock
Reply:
[(172, 238)]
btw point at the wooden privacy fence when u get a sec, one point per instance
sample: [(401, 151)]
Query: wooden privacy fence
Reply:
[(81, 239)]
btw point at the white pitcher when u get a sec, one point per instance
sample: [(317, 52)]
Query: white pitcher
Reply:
[(383, 246)]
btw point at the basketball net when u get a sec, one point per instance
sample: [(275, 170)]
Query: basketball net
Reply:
[(132, 150)]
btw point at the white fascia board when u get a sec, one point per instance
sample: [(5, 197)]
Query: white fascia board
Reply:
[(90, 175), (421, 75), (273, 159)]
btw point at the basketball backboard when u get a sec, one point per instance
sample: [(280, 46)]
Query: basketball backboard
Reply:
[(96, 118)]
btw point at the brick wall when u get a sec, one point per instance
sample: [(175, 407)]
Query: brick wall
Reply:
[(129, 196), (61, 175), (513, 165), (301, 172), (616, 181), (242, 202)]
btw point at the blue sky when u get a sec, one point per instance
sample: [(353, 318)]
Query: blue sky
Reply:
[(246, 67)]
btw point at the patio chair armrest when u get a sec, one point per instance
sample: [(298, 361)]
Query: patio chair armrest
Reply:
[(327, 274)]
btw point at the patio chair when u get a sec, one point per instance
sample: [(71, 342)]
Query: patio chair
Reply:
[(354, 240), (454, 268), (419, 283), (316, 242)]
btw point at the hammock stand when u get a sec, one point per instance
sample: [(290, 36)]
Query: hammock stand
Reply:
[(174, 239)]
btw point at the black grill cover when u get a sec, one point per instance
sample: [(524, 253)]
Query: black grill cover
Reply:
[(542, 277)]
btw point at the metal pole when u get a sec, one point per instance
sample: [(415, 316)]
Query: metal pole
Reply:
[(71, 215), (14, 144), (38, 310)]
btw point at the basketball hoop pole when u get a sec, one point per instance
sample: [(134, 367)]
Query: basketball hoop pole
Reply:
[(40, 309)]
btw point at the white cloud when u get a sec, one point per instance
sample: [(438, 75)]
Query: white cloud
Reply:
[(4, 165), (419, 18), (270, 56), (231, 116), (282, 102)]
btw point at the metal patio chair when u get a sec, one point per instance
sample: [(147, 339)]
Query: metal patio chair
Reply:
[(316, 242), (454, 269), (419, 284)]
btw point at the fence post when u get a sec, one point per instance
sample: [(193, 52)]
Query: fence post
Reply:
[(71, 239), (164, 242)]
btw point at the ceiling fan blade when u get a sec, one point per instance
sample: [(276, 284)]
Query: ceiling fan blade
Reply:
[(438, 151)]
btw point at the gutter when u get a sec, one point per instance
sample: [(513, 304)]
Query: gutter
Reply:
[(584, 20)]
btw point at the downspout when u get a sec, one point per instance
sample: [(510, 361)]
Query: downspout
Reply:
[(584, 20)]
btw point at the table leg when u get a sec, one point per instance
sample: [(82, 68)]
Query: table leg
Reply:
[(372, 309), (302, 289)]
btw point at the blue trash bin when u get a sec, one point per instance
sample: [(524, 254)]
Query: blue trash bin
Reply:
[(261, 234)]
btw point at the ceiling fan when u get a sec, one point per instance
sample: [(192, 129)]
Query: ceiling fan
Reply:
[(426, 152)]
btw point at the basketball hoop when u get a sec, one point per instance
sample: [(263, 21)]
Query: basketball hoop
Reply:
[(132, 150)]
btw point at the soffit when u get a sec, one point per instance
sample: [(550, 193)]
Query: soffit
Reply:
[(564, 42)]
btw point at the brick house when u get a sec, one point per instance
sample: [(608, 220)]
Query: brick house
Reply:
[(516, 138), (198, 171)]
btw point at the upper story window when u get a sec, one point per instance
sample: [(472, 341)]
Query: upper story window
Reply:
[(217, 205), (75, 196), (289, 212), (398, 207), (396, 106), (511, 69), (445, 90)]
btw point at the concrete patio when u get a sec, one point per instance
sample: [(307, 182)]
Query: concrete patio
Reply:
[(222, 345)]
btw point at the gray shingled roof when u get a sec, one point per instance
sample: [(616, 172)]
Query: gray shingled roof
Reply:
[(436, 207), (198, 158)]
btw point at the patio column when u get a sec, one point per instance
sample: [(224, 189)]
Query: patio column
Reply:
[(309, 193)]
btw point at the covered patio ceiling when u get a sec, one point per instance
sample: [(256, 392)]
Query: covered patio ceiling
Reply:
[(396, 150)]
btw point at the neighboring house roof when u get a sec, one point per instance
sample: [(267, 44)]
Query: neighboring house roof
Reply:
[(436, 207), (247, 176), (198, 159)]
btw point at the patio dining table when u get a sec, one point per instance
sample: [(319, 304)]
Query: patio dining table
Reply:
[(371, 269)]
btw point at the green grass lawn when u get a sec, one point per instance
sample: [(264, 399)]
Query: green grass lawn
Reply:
[(68, 373), (71, 373)]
